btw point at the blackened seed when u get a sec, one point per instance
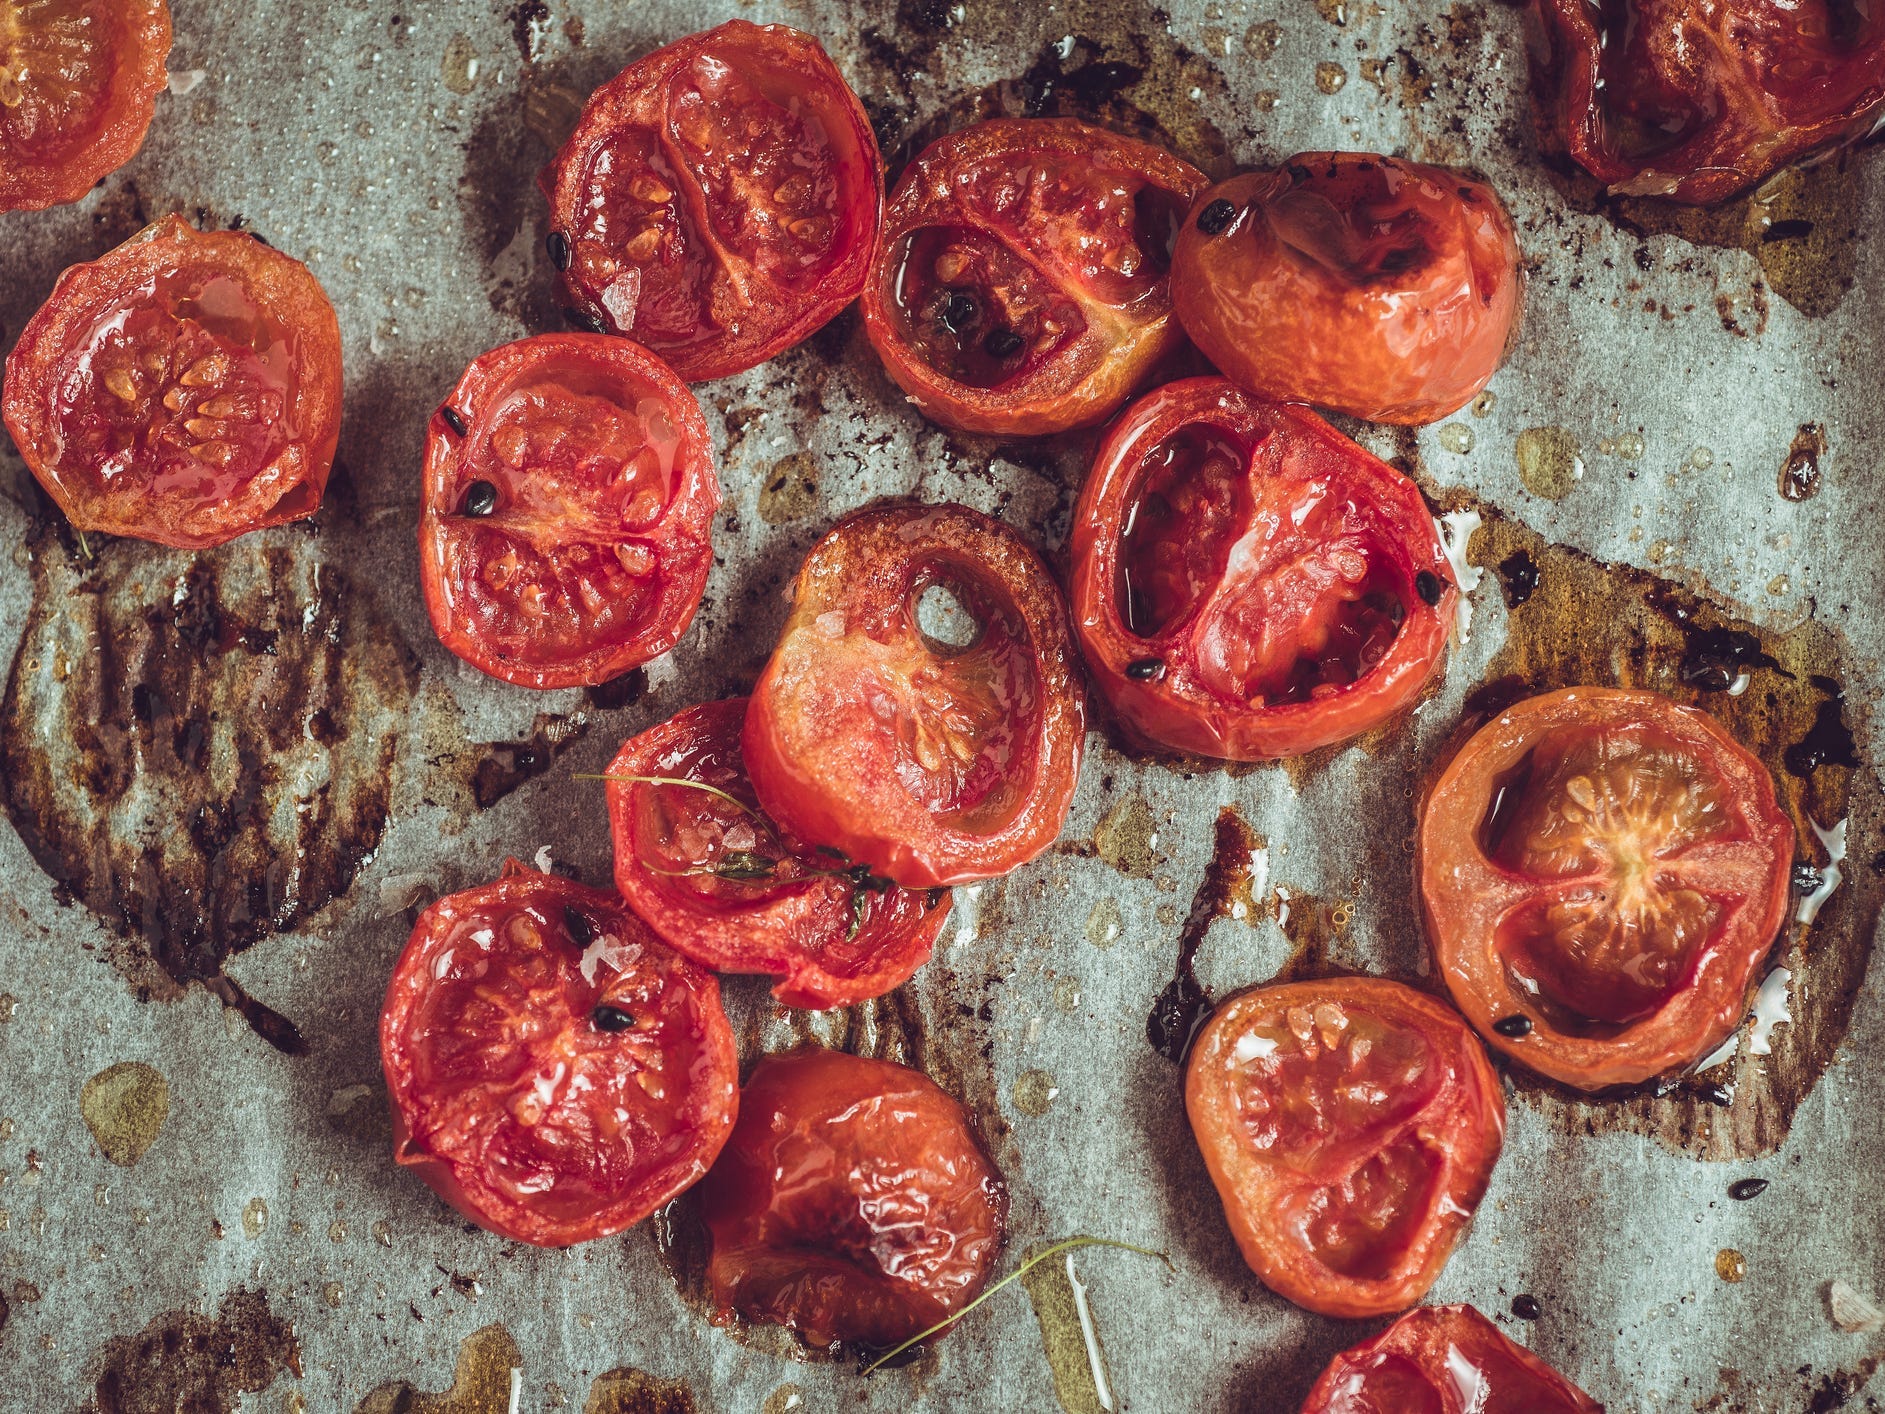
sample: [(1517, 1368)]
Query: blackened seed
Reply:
[(558, 244), (1001, 342), (1806, 878), (454, 419), (1216, 217), (480, 498), (1714, 1094), (1429, 586), (583, 319), (611, 1018), (933, 898), (1513, 1026), (1743, 1189), (1526, 1308), (959, 313), (581, 931), (1143, 669)]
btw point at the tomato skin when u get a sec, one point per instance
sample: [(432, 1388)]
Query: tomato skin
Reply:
[(727, 279), (1111, 316), (613, 563), (1219, 650), (853, 1202), (470, 1049), (1437, 1107), (1713, 885), (1381, 288), (217, 437), (932, 768)]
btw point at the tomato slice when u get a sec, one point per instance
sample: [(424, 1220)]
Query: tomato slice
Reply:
[(1380, 288), (1350, 1126), (1444, 1360), (724, 885), (1247, 582), (1022, 283), (79, 81), (719, 199), (933, 762), (1603, 871), (182, 388), (556, 1072), (852, 1203), (569, 502), (1697, 101)]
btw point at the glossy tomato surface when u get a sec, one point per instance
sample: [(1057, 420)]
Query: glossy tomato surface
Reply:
[(556, 1072), (1350, 1126), (79, 81), (709, 872), (933, 761), (1247, 582), (1604, 871), (569, 502), (719, 199), (852, 1203), (1699, 99), (1444, 1360), (1022, 284), (182, 388), (1381, 288)]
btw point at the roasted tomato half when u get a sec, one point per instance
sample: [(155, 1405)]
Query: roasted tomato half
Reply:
[(79, 81), (1350, 1126), (1603, 872), (719, 199), (1444, 1360), (1022, 283), (852, 1203), (182, 388), (702, 864), (920, 714), (1377, 287), (1699, 99), (1247, 582), (569, 501), (556, 1072)]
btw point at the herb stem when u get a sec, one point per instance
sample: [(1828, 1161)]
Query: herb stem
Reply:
[(734, 801)]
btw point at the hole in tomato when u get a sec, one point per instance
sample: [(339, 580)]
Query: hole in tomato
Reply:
[(1362, 1226), (1157, 215), (946, 623), (1193, 503), (976, 312)]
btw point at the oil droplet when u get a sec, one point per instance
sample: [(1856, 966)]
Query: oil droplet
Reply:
[(382, 1234), (6, 1129), (1628, 445), (783, 1400), (1550, 461), (1262, 39), (1127, 838), (1698, 459), (790, 490), (1456, 437), (1067, 993), (459, 66), (627, 1390), (1083, 1381), (1104, 923), (330, 1293), (1264, 100), (1730, 1265), (1330, 76), (337, 1231), (293, 1403), (124, 1106), (1034, 1092), (481, 1382), (254, 1218), (9, 1005), (1334, 11), (1779, 584), (1484, 404)]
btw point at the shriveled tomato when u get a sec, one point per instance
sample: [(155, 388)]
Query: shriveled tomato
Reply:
[(933, 761), (1380, 288), (1247, 582), (1444, 1360), (1699, 99), (182, 388), (556, 1072), (1603, 872), (1022, 283), (569, 502), (1350, 1126), (719, 199), (79, 81), (852, 1203)]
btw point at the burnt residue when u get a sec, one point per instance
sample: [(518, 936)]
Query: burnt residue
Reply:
[(481, 1381), (506, 765), (630, 1391), (1182, 1007), (617, 693), (1518, 578), (1828, 742), (529, 18), (1800, 471), (186, 1360)]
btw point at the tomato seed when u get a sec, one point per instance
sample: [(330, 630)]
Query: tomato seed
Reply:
[(559, 249), (1743, 1189), (1428, 586), (1143, 669), (1215, 219), (1513, 1026), (1000, 343), (581, 931), (959, 313), (1526, 1308), (480, 498), (611, 1018), (454, 419)]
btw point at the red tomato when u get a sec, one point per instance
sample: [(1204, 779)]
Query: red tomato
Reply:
[(853, 1202), (1247, 582), (79, 80), (1021, 285), (724, 885), (1444, 1360), (556, 1072), (1603, 872), (1699, 99), (719, 199), (932, 762), (569, 502), (183, 388), (1377, 287), (1350, 1126)]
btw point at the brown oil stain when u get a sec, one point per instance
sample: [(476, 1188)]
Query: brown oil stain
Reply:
[(1127, 838), (790, 490), (124, 1106), (186, 1360), (1730, 1265), (1800, 472), (481, 1381), (503, 766), (1070, 1360), (1182, 1007), (786, 1399), (630, 1391)]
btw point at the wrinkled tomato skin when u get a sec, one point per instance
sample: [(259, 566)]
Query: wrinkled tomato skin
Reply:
[(79, 81), (510, 1099), (1697, 100), (1444, 1360), (931, 766), (1057, 234), (718, 228), (852, 1203), (1347, 1206), (1246, 580), (594, 555), (1612, 867), (1384, 289), (829, 939), (183, 388)]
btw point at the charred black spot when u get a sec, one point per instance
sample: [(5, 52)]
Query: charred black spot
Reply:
[(1216, 217), (1184, 1005), (1518, 578)]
